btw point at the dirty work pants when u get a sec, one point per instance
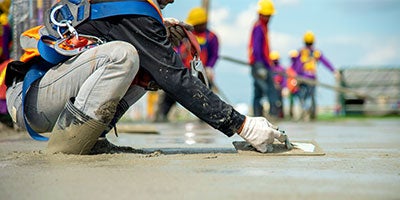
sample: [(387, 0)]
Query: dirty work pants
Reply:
[(98, 78), (307, 99)]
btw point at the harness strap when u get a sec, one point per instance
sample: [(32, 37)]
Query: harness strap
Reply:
[(35, 72), (46, 49), (115, 8), (76, 13)]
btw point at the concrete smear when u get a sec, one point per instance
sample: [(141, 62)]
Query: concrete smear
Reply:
[(193, 161)]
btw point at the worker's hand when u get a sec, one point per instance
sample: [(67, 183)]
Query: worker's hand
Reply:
[(262, 73), (164, 3), (337, 75), (260, 133), (259, 71), (175, 30)]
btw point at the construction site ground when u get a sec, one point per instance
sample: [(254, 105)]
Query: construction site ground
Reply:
[(193, 161)]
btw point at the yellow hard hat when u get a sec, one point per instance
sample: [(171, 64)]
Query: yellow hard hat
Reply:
[(274, 55), (197, 16), (266, 7), (309, 37), (293, 53), (3, 19)]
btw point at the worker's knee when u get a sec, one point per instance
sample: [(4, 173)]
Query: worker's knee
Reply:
[(125, 56)]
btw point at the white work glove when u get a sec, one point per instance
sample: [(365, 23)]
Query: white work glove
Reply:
[(175, 30), (260, 133)]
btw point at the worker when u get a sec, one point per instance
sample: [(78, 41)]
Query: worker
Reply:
[(292, 83), (151, 104), (209, 46), (260, 62), (306, 67), (83, 95), (207, 39), (279, 80), (5, 44)]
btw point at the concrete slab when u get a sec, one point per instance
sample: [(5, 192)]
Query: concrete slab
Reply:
[(144, 128), (362, 161)]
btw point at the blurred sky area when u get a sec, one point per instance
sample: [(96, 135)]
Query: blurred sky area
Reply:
[(349, 33)]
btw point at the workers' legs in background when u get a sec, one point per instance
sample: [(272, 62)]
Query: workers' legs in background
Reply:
[(273, 99), (260, 85), (259, 74), (164, 106), (258, 94), (151, 105), (280, 105), (5, 118), (313, 109), (305, 100), (292, 100), (291, 104)]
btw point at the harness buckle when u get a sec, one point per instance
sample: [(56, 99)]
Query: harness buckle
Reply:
[(72, 45), (65, 14), (197, 70)]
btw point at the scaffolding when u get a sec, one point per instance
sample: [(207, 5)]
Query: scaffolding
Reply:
[(24, 15), (380, 84)]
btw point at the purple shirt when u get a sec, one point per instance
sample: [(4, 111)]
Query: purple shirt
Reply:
[(259, 47), (279, 77), (5, 42), (3, 106), (212, 49)]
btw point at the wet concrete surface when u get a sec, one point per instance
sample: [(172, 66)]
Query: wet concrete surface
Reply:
[(194, 161), (361, 161)]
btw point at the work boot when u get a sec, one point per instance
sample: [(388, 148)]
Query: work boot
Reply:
[(74, 132), (122, 107), (103, 146)]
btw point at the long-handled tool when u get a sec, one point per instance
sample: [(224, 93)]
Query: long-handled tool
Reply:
[(311, 82)]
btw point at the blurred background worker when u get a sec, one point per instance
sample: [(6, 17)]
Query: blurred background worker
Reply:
[(209, 46), (291, 83), (306, 67), (261, 69), (279, 80), (5, 45)]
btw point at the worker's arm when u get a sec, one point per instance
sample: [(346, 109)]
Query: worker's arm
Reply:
[(326, 63), (175, 30), (212, 50), (297, 65)]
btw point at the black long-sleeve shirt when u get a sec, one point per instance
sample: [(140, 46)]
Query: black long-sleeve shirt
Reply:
[(158, 58)]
